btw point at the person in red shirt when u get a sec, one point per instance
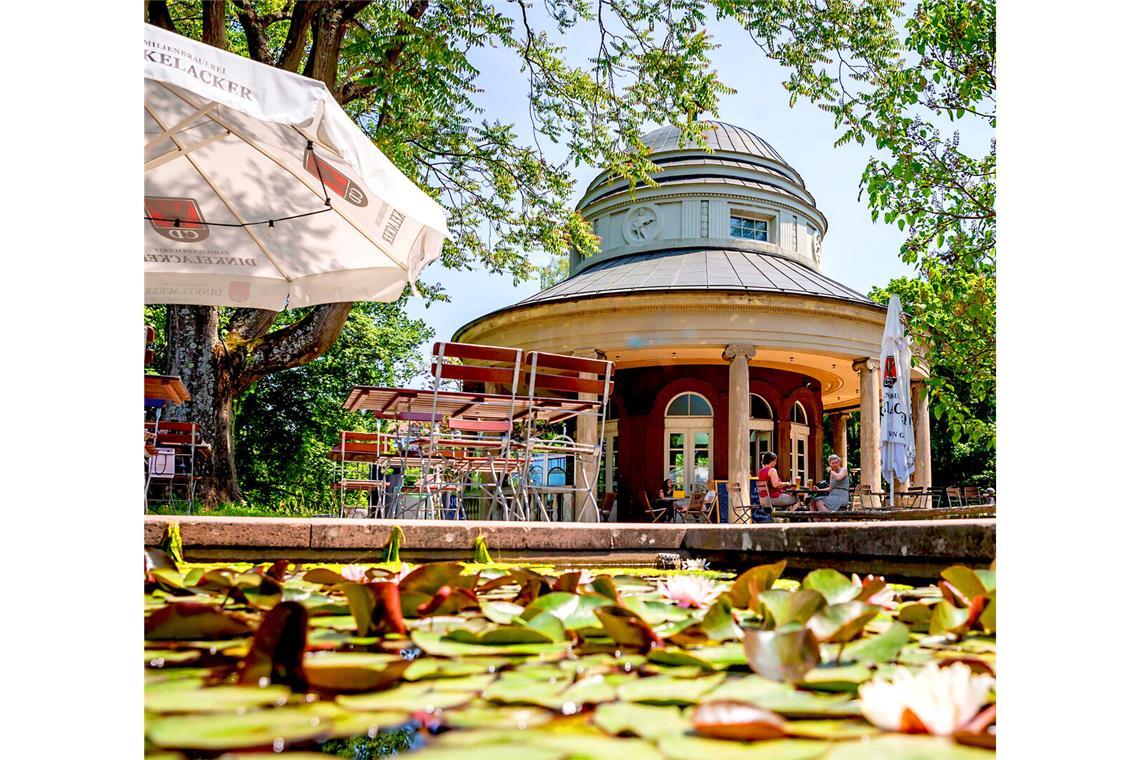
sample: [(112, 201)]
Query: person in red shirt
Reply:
[(767, 474)]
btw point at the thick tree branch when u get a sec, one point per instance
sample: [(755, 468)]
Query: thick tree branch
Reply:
[(250, 324), (158, 14), (330, 22), (214, 24), (254, 28), (297, 344), (298, 34)]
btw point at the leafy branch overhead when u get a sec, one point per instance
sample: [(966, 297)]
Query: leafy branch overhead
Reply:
[(919, 91)]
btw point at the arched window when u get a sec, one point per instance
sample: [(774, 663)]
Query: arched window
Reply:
[(799, 416), (689, 405), (761, 409)]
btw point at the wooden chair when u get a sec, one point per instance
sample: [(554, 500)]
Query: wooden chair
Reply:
[(655, 514), (697, 509), (740, 511), (867, 497), (607, 507), (954, 496), (972, 495)]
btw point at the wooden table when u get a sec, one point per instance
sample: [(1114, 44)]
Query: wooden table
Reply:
[(933, 513), (168, 388)]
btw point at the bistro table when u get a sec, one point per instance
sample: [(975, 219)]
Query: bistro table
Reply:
[(670, 504)]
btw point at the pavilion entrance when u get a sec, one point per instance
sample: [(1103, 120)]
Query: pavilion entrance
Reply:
[(688, 442)]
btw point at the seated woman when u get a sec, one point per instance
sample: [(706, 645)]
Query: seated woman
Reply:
[(767, 474), (837, 494), (666, 491)]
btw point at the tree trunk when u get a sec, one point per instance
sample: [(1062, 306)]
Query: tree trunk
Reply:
[(197, 356), (217, 369)]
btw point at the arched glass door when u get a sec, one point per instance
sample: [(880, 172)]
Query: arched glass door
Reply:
[(761, 431), (688, 442)]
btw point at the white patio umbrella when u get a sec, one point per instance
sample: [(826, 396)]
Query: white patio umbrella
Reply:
[(262, 192), (896, 427)]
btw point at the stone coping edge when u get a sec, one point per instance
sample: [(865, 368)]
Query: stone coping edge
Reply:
[(964, 539)]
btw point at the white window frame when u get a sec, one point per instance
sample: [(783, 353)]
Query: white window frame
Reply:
[(609, 464), (762, 425), (756, 215), (688, 427)]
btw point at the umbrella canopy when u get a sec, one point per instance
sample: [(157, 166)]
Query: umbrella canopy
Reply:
[(262, 192), (896, 427)]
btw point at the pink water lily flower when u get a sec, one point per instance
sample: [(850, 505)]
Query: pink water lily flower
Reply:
[(937, 700), (884, 598), (689, 590), (355, 573)]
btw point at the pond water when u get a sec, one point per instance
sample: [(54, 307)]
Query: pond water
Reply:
[(465, 660)]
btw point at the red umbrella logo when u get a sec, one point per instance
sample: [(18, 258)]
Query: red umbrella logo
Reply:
[(890, 372)]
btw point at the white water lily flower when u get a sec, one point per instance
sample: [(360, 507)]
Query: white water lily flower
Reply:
[(585, 578), (355, 573), (943, 700), (699, 563), (689, 590), (884, 598)]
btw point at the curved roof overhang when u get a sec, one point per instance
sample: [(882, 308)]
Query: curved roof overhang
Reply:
[(816, 336)]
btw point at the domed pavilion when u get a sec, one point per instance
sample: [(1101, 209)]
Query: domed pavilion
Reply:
[(726, 337)]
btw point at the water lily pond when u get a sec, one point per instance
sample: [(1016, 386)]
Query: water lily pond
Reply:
[(458, 660)]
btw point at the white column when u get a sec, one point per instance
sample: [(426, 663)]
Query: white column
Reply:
[(870, 460), (920, 409), (739, 411), (586, 433)]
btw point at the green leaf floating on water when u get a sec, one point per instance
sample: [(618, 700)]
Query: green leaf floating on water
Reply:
[(782, 655), (843, 678), (422, 696), (193, 699), (354, 671), (434, 644), (188, 620), (647, 721), (841, 622), (668, 690), (754, 580), (831, 730), (718, 623), (698, 748), (576, 745), (835, 587), (784, 607), (899, 747), (882, 647), (511, 717), (257, 728)]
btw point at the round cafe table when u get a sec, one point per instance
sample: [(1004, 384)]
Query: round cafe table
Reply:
[(670, 503)]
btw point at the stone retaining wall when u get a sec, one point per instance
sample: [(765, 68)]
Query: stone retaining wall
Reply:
[(918, 548)]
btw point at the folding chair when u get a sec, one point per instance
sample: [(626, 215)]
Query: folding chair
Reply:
[(740, 510), (954, 496), (589, 381), (359, 461), (494, 367), (762, 499), (175, 464), (607, 507), (868, 498), (972, 495), (653, 513)]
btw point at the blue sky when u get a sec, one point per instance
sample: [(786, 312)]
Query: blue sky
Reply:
[(856, 251)]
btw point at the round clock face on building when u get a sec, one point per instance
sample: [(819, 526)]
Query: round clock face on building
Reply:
[(641, 223)]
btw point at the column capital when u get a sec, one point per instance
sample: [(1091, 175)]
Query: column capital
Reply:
[(841, 416), (868, 364), (733, 350)]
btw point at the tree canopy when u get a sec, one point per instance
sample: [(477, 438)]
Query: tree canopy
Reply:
[(905, 86)]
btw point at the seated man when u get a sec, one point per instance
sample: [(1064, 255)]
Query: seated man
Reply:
[(767, 474)]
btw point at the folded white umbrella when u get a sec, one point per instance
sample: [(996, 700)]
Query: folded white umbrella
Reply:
[(261, 191), (896, 426)]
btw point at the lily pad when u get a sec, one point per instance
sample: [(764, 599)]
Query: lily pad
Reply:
[(354, 671), (257, 728), (188, 620), (832, 730), (689, 747), (899, 747), (436, 645), (647, 721), (835, 587), (783, 655), (841, 622), (718, 623), (412, 697), (882, 647), (784, 607), (842, 678), (668, 690), (519, 718), (754, 580), (213, 699)]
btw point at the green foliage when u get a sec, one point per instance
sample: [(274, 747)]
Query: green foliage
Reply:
[(391, 552), (172, 542), (905, 92), (385, 744), (482, 554), (286, 423)]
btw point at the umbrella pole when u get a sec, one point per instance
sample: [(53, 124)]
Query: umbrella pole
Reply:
[(892, 479)]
